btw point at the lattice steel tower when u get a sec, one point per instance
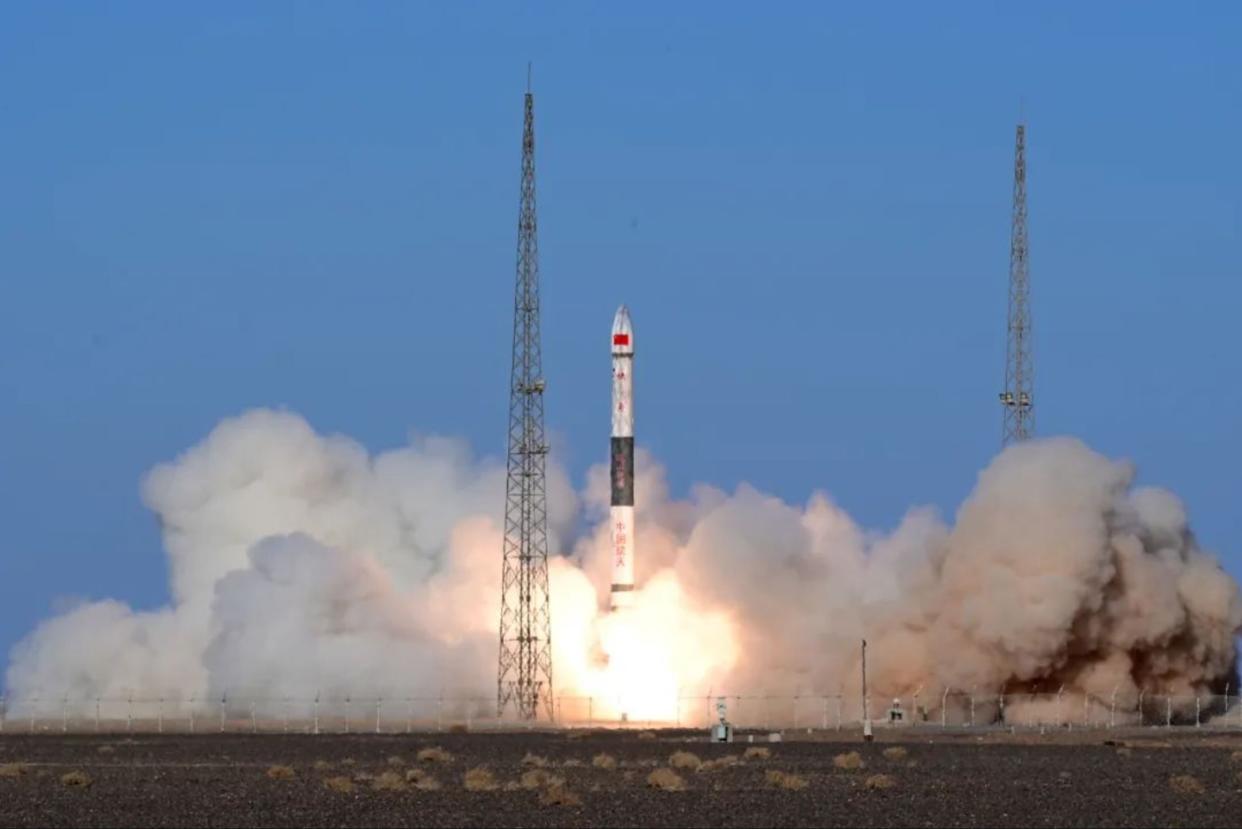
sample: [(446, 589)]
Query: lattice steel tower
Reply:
[(1017, 399), (524, 678)]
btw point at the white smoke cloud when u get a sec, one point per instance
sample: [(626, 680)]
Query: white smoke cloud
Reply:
[(298, 563)]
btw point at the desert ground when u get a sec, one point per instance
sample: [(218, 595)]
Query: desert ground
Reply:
[(1155, 777)]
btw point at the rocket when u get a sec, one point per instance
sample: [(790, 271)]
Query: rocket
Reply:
[(622, 512)]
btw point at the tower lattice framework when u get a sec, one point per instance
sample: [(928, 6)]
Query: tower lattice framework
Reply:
[(524, 677), (1017, 400)]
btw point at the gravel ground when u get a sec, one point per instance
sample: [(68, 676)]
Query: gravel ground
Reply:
[(223, 780)]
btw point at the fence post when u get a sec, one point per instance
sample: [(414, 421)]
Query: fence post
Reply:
[(1060, 718), (96, 715), (34, 705), (160, 716), (1140, 706), (191, 715), (1168, 712), (129, 714), (286, 722), (347, 713), (1197, 711), (223, 701), (915, 713), (972, 709), (944, 707), (1086, 709), (64, 714), (254, 726), (378, 701)]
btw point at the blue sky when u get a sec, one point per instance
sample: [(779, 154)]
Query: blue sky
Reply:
[(210, 207)]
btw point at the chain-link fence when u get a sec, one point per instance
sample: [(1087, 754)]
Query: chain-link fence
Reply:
[(319, 714)]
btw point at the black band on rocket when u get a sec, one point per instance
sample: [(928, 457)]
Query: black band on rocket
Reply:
[(623, 472)]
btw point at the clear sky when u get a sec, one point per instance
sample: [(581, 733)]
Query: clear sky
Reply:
[(210, 207)]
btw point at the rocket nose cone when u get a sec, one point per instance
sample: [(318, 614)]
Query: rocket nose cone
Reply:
[(622, 332)]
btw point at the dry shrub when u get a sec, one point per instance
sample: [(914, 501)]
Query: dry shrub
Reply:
[(106, 749), (434, 754), (480, 779), (76, 780), (895, 753), (535, 761), (12, 770), (849, 762), (666, 780), (538, 778), (280, 773), (757, 753), (785, 780), (1236, 757), (604, 761), (389, 781), (395, 761), (459, 728), (348, 761), (685, 760), (339, 784), (558, 795), (876, 782), (725, 761), (512, 786), (422, 780), (322, 765), (646, 735), (1185, 784), (572, 763)]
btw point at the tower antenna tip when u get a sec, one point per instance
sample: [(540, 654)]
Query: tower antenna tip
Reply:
[(527, 77)]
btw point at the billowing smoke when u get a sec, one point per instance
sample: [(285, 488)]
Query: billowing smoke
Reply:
[(301, 564)]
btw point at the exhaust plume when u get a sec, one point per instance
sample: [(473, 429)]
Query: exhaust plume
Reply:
[(300, 564)]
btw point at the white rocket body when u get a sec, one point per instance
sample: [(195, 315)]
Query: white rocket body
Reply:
[(622, 512)]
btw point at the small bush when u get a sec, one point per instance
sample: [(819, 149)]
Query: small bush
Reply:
[(363, 777), (396, 761), (339, 784), (459, 728), (877, 782), (685, 760), (1185, 784), (723, 762), (12, 770), (558, 795), (572, 763), (604, 761), (348, 761), (422, 780), (785, 780), (895, 753), (535, 761), (434, 755), (849, 762), (538, 779), (389, 781), (757, 753), (479, 779), (646, 735), (280, 773), (76, 780), (322, 765), (666, 780)]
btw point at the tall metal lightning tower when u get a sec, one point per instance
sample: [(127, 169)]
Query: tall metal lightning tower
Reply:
[(1017, 399), (524, 678)]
